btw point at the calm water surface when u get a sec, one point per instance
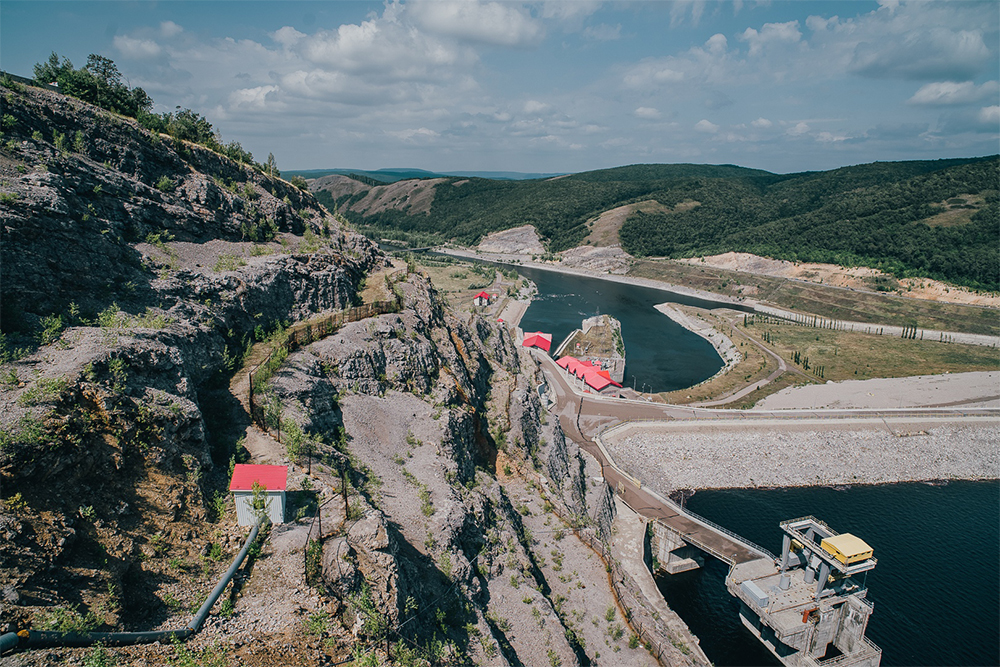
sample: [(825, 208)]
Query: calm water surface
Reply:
[(659, 353), (936, 587)]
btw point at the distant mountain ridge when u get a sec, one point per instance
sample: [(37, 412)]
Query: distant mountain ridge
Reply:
[(926, 218), (399, 174)]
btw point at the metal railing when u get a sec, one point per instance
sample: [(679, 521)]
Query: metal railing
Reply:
[(302, 335), (747, 544)]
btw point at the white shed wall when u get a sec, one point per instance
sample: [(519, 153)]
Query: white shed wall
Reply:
[(244, 507)]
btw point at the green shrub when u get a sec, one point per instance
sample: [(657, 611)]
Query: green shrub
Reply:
[(165, 184), (229, 262), (68, 619), (46, 390)]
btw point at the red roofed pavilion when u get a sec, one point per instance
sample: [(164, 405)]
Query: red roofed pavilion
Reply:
[(538, 339)]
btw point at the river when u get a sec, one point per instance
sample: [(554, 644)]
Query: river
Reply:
[(660, 355), (937, 584)]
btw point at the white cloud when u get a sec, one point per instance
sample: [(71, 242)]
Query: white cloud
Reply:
[(771, 33), (569, 10), (830, 138), (411, 135), (603, 32), (819, 24), (287, 36), (706, 126), (647, 112), (381, 47), (761, 123), (922, 54), (948, 93), (251, 97), (679, 10), (717, 43), (651, 73), (989, 115), (496, 23), (170, 29), (798, 129), (140, 49), (534, 107)]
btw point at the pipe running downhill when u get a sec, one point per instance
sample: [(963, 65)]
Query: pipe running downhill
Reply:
[(42, 638)]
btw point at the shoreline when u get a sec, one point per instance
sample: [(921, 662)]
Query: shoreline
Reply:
[(721, 342), (944, 481), (523, 260)]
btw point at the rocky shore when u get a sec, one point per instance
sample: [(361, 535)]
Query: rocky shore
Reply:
[(710, 455), (722, 344)]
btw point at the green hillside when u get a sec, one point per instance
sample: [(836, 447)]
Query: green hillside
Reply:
[(938, 219)]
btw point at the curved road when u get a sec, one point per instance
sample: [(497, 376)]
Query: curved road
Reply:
[(584, 416)]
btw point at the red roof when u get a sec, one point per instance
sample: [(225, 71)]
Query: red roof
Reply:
[(482, 295), (596, 380), (567, 361), (538, 339), (574, 365), (272, 478)]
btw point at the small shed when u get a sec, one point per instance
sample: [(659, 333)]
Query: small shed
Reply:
[(847, 548), (273, 480), (482, 299)]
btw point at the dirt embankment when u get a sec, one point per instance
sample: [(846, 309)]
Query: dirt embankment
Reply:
[(409, 196), (857, 278), (521, 240)]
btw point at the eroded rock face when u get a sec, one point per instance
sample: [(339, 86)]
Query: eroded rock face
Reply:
[(521, 240), (85, 187), (421, 392), (112, 444)]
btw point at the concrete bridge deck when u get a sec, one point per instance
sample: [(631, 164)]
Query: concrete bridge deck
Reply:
[(694, 530)]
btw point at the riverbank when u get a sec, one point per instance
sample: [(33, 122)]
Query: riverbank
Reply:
[(807, 452), (722, 343), (525, 260)]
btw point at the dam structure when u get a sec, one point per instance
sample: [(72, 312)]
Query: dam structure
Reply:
[(808, 607)]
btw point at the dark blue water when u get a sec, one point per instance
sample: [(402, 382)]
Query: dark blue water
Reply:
[(660, 355), (936, 587)]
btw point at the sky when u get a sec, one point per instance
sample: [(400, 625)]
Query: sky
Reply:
[(550, 86)]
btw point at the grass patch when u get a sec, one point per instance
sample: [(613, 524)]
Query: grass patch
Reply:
[(228, 262), (845, 355)]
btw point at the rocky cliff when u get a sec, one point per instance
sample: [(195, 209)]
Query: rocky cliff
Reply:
[(135, 272), (464, 486), (434, 507)]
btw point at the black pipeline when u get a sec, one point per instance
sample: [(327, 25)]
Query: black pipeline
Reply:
[(40, 639)]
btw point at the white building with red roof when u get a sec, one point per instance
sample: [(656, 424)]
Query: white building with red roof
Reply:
[(482, 299), (272, 481)]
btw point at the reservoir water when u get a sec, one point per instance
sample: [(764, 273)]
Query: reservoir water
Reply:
[(659, 353), (936, 587)]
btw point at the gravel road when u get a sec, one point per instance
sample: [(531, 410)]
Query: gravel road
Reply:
[(981, 389)]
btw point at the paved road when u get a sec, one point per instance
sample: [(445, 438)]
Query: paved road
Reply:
[(583, 416), (644, 501)]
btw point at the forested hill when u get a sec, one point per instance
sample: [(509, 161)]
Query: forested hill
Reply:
[(938, 219)]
